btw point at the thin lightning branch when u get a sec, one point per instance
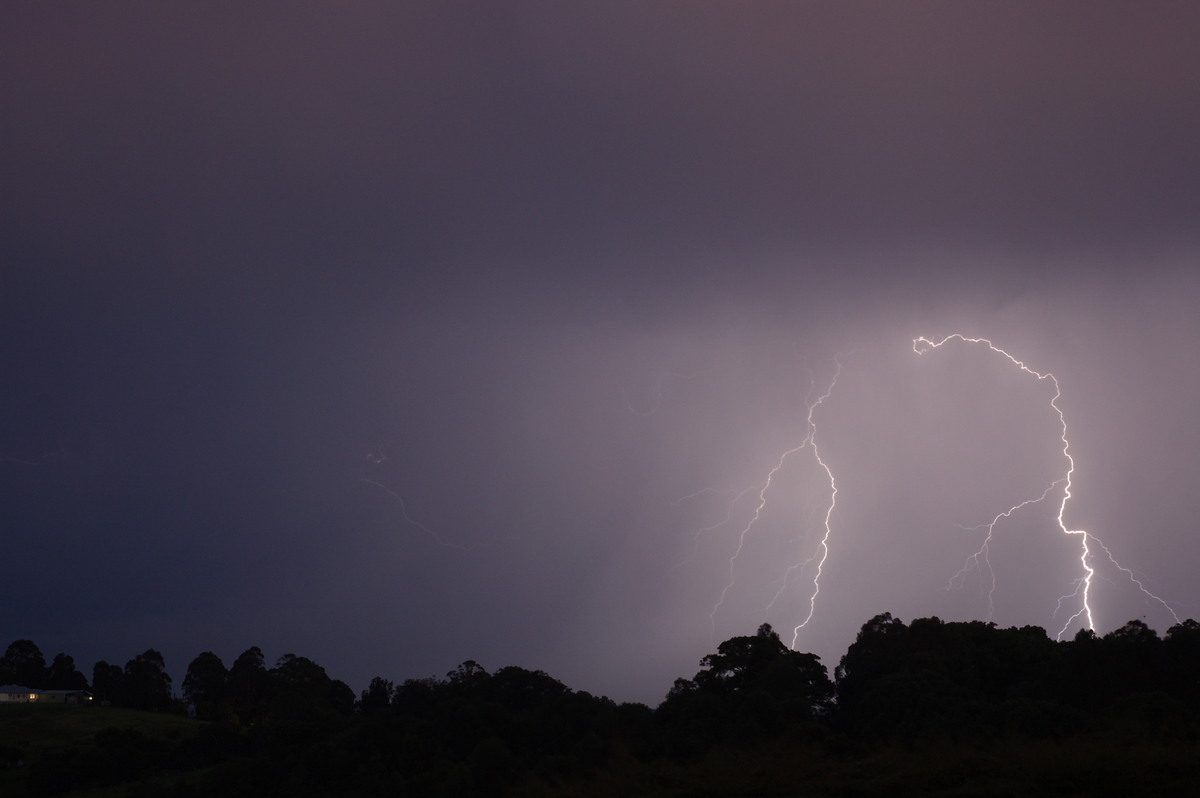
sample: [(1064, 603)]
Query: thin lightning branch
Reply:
[(823, 550), (982, 552), (1078, 585), (404, 512), (787, 578), (762, 500), (833, 491), (695, 494), (710, 527), (1083, 584), (1133, 578), (959, 580)]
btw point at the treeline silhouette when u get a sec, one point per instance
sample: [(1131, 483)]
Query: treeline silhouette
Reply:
[(929, 707)]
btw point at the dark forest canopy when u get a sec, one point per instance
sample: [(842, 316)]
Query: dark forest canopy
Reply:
[(291, 729), (956, 656)]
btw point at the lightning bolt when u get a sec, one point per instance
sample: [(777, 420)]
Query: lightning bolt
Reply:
[(699, 532), (822, 552), (973, 562), (1083, 585), (413, 522), (833, 491), (404, 511)]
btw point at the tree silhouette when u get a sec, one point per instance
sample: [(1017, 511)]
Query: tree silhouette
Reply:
[(752, 686), (147, 685), (108, 683), (64, 675), (303, 692), (1181, 650), (948, 680), (945, 707), (204, 684), (23, 664), (378, 695), (248, 686)]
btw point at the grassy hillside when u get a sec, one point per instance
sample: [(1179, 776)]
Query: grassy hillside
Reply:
[(40, 731), (34, 726)]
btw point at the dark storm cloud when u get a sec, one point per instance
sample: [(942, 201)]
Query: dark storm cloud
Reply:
[(554, 267)]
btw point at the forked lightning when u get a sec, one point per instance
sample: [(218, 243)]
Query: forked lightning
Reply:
[(1083, 585)]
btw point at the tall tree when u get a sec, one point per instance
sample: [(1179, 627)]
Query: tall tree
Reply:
[(147, 683), (303, 691), (248, 686), (753, 685), (108, 683), (204, 684), (24, 664), (378, 694), (64, 675), (1182, 648)]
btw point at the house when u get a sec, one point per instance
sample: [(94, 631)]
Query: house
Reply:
[(63, 697), (16, 694)]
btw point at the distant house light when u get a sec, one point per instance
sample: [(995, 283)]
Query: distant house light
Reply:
[(18, 694)]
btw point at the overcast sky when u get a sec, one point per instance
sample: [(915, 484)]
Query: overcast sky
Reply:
[(397, 334)]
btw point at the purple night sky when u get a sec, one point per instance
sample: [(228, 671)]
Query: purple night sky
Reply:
[(400, 334)]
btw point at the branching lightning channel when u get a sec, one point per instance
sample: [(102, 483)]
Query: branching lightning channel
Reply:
[(833, 491), (710, 527), (823, 548), (981, 554), (1083, 585)]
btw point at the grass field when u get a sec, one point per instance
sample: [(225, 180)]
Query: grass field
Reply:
[(35, 726), (34, 729)]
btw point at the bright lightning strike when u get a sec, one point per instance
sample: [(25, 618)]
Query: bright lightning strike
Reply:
[(833, 491), (1083, 585), (822, 553)]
